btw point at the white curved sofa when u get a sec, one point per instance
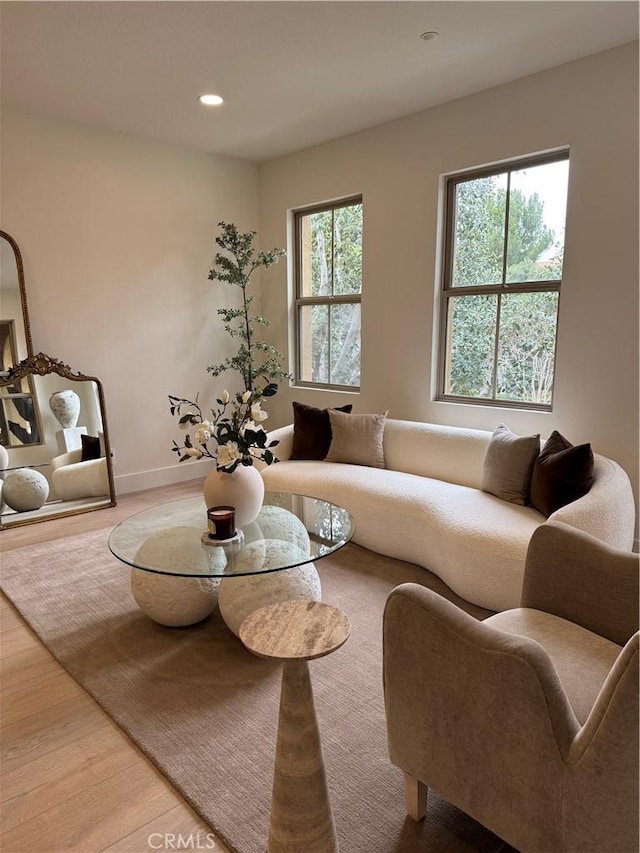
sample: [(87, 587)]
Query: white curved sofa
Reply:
[(426, 507), (74, 479)]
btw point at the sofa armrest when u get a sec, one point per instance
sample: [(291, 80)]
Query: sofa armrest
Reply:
[(608, 509), (284, 435), (577, 577), (69, 458), (89, 479)]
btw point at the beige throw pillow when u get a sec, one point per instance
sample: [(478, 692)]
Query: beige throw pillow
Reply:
[(508, 465), (356, 439)]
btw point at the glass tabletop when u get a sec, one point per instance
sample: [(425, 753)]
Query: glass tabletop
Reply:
[(172, 539)]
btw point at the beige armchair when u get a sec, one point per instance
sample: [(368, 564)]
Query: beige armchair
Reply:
[(527, 721)]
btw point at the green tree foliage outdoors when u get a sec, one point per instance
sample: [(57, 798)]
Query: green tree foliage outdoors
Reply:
[(525, 323), (335, 269)]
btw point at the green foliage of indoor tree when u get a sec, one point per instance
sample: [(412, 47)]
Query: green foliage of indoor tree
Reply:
[(233, 433), (255, 360)]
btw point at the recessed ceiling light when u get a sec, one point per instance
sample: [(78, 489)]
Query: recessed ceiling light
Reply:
[(211, 100), (429, 35)]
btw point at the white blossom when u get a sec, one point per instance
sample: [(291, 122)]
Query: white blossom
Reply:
[(193, 451), (227, 454), (225, 396), (246, 396), (204, 432), (257, 413)]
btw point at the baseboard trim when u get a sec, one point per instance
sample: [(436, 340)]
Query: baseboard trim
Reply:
[(127, 483)]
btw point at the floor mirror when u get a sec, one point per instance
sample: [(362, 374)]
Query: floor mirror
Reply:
[(55, 456)]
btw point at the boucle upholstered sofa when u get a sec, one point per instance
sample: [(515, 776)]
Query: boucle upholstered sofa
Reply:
[(74, 479), (426, 507)]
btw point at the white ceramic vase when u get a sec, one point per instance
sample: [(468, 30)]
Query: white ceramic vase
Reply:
[(243, 490), (65, 406)]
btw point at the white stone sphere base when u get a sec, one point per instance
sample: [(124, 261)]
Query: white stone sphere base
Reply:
[(240, 596), (25, 489), (167, 599), (173, 601)]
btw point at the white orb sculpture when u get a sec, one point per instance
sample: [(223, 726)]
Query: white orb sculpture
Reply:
[(278, 523), (169, 599), (25, 489), (240, 596)]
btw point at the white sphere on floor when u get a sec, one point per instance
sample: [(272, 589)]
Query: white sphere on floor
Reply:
[(169, 599), (25, 489), (240, 596)]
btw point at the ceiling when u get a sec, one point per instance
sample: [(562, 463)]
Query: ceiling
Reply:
[(292, 73)]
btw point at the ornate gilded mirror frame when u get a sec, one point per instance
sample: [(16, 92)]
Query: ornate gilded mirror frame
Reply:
[(39, 448)]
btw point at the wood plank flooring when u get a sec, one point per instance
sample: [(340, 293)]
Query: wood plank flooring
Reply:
[(70, 780)]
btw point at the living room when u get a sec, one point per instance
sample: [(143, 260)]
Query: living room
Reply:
[(117, 226)]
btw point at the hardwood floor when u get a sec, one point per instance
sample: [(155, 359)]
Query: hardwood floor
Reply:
[(70, 779)]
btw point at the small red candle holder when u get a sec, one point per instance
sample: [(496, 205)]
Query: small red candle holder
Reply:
[(221, 522)]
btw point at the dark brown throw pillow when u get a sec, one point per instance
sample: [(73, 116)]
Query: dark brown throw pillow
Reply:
[(312, 431), (562, 474), (90, 447)]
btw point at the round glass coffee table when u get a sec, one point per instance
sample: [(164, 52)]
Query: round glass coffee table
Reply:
[(178, 573)]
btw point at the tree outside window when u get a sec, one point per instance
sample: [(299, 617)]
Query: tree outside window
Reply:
[(328, 261), (504, 249)]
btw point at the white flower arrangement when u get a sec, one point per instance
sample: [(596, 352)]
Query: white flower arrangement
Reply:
[(234, 429)]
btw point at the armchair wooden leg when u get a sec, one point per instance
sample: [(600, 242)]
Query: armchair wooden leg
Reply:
[(415, 793)]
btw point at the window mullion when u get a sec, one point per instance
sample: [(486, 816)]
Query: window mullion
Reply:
[(333, 281), (496, 344), (507, 211)]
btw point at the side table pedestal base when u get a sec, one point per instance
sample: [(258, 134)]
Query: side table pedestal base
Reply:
[(301, 815)]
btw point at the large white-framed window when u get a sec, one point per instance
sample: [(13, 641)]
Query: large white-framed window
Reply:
[(328, 294), (503, 253)]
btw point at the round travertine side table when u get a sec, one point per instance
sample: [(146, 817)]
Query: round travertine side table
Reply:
[(296, 632)]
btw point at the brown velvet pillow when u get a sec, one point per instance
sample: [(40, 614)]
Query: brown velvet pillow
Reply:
[(90, 447), (312, 431), (357, 439), (562, 474), (508, 465)]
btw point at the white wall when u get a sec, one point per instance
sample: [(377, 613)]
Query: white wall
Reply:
[(590, 105), (117, 237)]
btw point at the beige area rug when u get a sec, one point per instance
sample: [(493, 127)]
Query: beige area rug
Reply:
[(205, 710)]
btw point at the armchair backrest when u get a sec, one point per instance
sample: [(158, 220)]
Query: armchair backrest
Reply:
[(579, 578)]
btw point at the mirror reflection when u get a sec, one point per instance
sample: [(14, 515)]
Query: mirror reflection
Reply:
[(69, 470), (55, 457), (19, 416)]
